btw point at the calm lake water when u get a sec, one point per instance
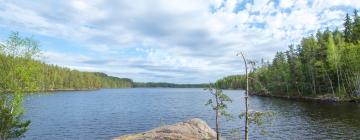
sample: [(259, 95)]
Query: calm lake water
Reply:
[(108, 113)]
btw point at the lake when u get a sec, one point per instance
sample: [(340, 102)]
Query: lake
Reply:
[(108, 113)]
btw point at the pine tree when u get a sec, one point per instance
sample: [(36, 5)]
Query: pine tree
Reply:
[(218, 103), (348, 28)]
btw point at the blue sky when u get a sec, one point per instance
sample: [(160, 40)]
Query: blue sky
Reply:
[(180, 41)]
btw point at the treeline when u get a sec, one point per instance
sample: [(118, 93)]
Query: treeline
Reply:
[(170, 85), (58, 78), (327, 63), (232, 82), (19, 70)]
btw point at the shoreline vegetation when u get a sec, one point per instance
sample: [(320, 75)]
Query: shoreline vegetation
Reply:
[(320, 99), (322, 67), (134, 85), (49, 77)]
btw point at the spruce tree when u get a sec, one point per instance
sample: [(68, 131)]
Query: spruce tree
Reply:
[(356, 27)]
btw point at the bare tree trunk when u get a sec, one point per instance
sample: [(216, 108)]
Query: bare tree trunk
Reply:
[(217, 118), (343, 82), (338, 78), (349, 83), (357, 85), (246, 100), (217, 125), (314, 84), (287, 90), (3, 136), (297, 88), (331, 84)]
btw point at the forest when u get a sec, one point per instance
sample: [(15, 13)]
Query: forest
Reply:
[(20, 69), (325, 64)]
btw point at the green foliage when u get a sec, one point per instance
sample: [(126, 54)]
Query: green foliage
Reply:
[(327, 63), (21, 72), (232, 82), (348, 28), (11, 124), (17, 71), (45, 77), (218, 103), (259, 119), (333, 58)]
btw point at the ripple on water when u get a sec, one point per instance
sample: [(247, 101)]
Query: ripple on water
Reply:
[(108, 113)]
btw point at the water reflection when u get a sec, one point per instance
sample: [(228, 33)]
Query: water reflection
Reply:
[(312, 120), (108, 113)]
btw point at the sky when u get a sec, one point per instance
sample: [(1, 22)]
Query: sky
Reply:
[(178, 41)]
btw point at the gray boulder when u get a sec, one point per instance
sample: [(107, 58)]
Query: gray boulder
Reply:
[(194, 129)]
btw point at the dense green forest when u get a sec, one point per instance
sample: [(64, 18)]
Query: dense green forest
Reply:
[(169, 85), (327, 63), (17, 60), (58, 78)]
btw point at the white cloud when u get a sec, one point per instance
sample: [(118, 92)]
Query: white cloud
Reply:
[(259, 5), (286, 3), (230, 5)]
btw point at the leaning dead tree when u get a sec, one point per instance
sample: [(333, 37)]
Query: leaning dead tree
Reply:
[(255, 117), (246, 97)]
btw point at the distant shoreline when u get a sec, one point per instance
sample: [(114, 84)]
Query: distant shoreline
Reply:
[(321, 99), (65, 90)]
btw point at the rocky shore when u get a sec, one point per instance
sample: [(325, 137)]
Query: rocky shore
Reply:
[(194, 129)]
